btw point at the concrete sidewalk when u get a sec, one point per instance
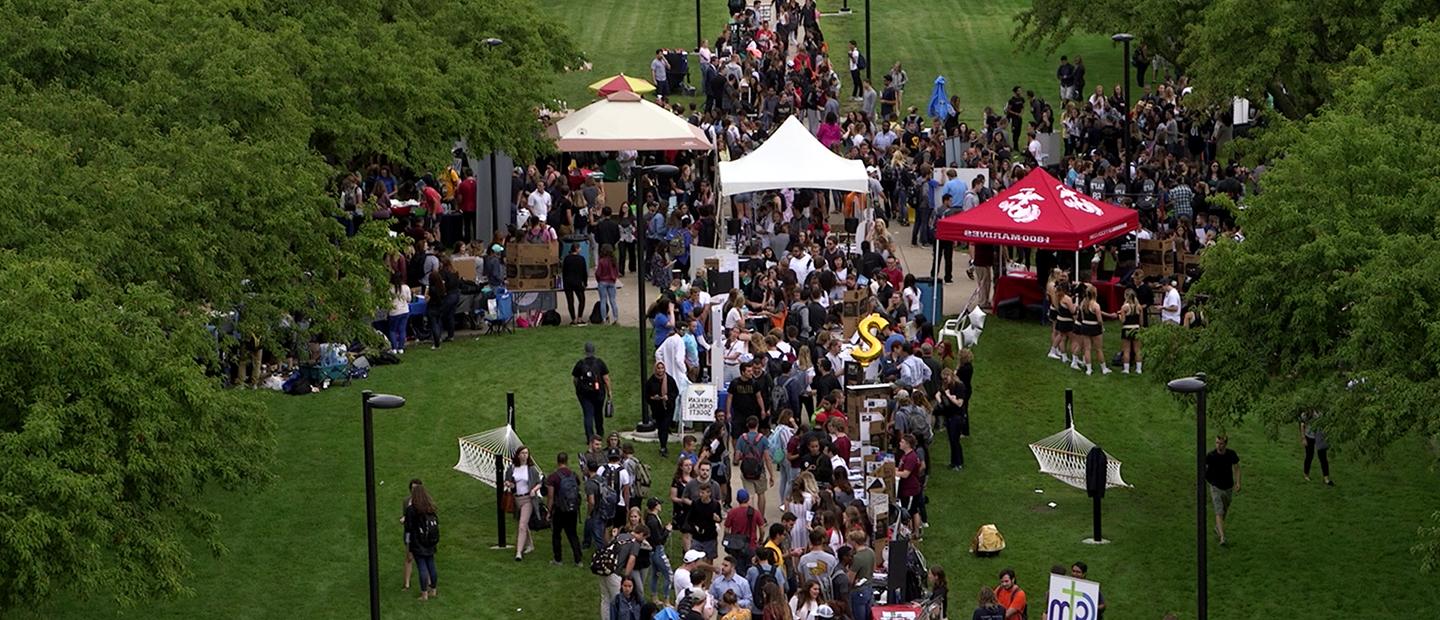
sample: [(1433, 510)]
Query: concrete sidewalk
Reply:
[(914, 259)]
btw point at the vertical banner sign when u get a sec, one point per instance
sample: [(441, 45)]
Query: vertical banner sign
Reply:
[(699, 403), (1072, 599)]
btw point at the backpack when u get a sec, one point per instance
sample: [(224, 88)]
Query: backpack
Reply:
[(595, 315), (640, 475), (779, 397), (861, 63), (427, 533), (550, 317), (603, 562), (763, 579), (589, 380), (917, 423), (751, 467), (567, 494), (415, 270), (609, 492), (777, 445)]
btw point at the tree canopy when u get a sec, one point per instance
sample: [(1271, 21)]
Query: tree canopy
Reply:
[(1330, 304), (170, 161), (1282, 49)]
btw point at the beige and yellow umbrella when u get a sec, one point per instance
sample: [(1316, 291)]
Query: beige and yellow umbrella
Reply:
[(622, 83)]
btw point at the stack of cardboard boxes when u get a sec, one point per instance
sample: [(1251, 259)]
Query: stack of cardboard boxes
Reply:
[(531, 266)]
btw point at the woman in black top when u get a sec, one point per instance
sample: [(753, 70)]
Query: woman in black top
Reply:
[(1131, 316), (409, 559), (1060, 320), (422, 532), (940, 589), (659, 562), (951, 402), (661, 392), (679, 506), (989, 608)]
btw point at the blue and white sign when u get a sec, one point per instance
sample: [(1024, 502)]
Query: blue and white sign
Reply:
[(1072, 599)]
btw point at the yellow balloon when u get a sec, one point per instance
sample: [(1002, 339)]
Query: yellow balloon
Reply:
[(870, 346)]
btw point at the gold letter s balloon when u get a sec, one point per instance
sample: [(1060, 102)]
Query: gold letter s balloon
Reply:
[(870, 347)]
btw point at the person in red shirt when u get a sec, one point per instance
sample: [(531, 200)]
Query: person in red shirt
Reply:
[(465, 196), (893, 272), (830, 409), (744, 519), (429, 205), (1010, 596), (839, 440), (910, 487)]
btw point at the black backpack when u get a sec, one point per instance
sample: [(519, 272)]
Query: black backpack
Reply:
[(595, 315), (752, 467), (427, 533), (861, 63), (763, 579), (567, 494), (609, 499), (550, 317), (603, 562)]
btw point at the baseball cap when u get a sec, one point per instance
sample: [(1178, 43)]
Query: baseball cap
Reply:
[(497, 248), (694, 555), (612, 453), (742, 496)]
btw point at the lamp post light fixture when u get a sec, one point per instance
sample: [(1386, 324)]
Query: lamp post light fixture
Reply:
[(643, 221), (371, 402), (1196, 385)]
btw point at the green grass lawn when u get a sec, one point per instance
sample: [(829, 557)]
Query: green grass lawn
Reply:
[(967, 42), (1298, 550)]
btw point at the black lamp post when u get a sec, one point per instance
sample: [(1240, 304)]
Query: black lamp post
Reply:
[(697, 25), (642, 220), (374, 401), (869, 57), (1196, 385), (1126, 38)]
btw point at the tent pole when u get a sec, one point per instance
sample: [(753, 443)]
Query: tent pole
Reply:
[(1077, 265), (935, 283)]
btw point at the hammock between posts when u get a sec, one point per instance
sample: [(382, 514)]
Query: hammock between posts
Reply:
[(1062, 455), (478, 452)]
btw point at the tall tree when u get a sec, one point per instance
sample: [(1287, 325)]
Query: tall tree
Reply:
[(171, 162), (1330, 304), (1281, 49)]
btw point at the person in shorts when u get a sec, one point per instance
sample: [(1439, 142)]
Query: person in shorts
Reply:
[(1222, 473)]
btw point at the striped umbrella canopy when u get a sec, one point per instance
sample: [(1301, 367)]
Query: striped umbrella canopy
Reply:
[(621, 83)]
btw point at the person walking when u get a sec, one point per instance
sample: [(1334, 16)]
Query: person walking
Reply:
[(409, 557), (562, 498), (855, 67), (1313, 438), (1222, 472), (659, 581), (606, 275), (910, 484), (661, 393), (422, 530), (574, 277), (523, 479), (592, 389)]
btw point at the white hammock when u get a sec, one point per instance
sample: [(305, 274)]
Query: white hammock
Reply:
[(478, 452), (1062, 455)]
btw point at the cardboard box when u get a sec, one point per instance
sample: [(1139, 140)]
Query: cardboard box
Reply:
[(615, 195), (531, 254), (522, 284), (468, 268)]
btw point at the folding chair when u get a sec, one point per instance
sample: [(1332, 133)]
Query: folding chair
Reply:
[(504, 317)]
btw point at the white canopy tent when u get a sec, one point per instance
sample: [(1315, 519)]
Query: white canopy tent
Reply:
[(791, 157)]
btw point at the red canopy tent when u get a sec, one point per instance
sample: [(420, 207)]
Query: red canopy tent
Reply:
[(1040, 212)]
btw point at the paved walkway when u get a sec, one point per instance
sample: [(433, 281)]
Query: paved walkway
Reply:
[(914, 259)]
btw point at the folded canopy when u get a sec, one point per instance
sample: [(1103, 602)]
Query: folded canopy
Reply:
[(791, 157), (1040, 212), (621, 83), (623, 121)]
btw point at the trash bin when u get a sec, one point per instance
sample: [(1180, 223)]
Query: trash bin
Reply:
[(581, 240), (929, 291)]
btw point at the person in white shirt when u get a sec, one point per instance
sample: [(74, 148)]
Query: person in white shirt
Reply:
[(1170, 307), (683, 585), (800, 264), (1036, 151), (539, 203)]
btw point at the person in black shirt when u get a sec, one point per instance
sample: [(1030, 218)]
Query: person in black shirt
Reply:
[(745, 398), (1143, 294), (1222, 473), (575, 275), (607, 230), (952, 402), (661, 392), (592, 388), (704, 516), (1014, 115)]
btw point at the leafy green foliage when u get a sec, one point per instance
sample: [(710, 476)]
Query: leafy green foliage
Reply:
[(167, 161), (1278, 48)]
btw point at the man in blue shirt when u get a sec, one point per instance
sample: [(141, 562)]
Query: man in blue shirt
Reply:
[(954, 187), (727, 580)]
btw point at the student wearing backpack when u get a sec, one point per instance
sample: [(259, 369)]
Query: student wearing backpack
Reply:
[(778, 441), (616, 562), (422, 530), (752, 456), (615, 487), (743, 525), (595, 534), (912, 419), (409, 558), (592, 389), (523, 479), (562, 497)]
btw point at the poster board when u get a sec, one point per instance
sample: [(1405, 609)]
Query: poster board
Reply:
[(699, 403), (1072, 599), (964, 174)]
